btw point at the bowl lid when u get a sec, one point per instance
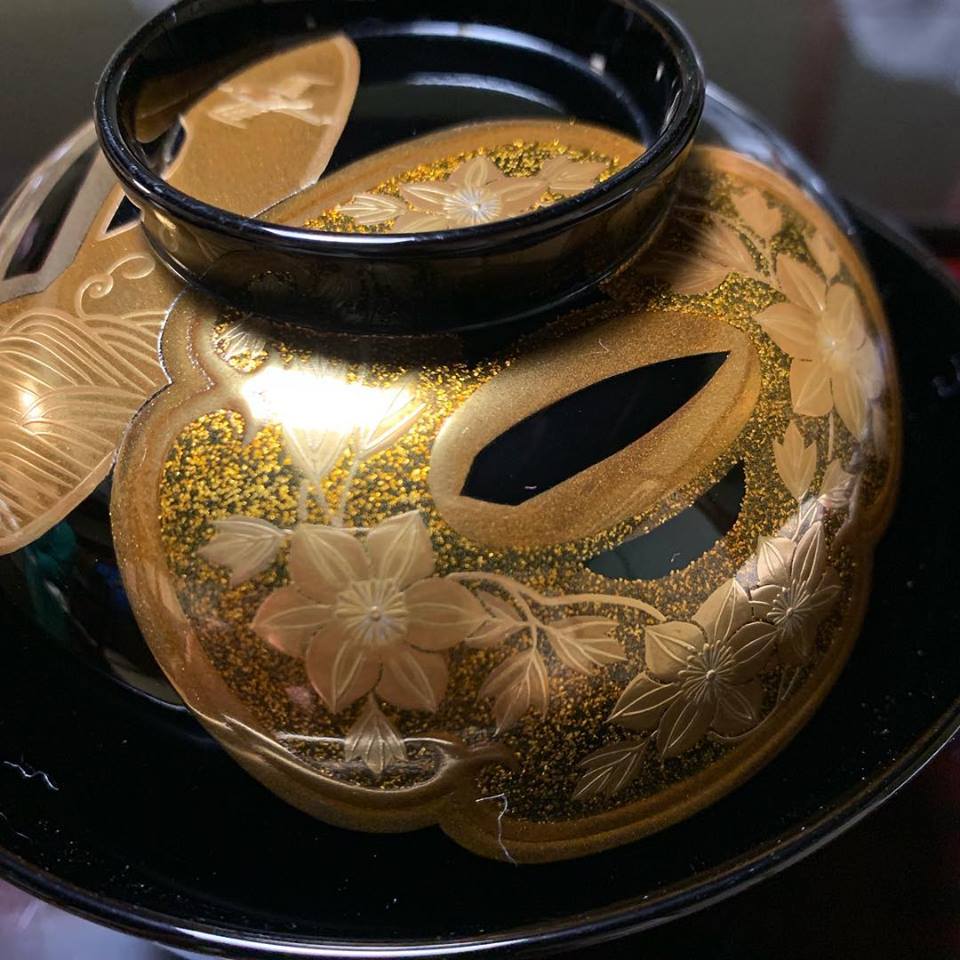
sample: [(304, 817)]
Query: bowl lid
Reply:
[(551, 591)]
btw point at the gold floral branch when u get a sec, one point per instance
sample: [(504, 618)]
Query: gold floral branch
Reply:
[(518, 591)]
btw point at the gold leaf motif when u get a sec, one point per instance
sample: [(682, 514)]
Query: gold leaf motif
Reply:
[(400, 549), (796, 461), (610, 769), (517, 685), (341, 671), (690, 276), (773, 557), (717, 251), (723, 612), (374, 741), (584, 643), (325, 560), (442, 613), (801, 285), (245, 545), (684, 722), (502, 623), (398, 416), (373, 209), (315, 452), (567, 177), (757, 214), (825, 254), (837, 486), (413, 680)]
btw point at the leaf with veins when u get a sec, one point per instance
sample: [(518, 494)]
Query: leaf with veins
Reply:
[(503, 623), (611, 768), (399, 414), (519, 684), (585, 643), (796, 461), (374, 741), (245, 545), (373, 209)]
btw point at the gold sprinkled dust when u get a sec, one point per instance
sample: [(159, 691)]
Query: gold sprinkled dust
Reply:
[(211, 474), (516, 159)]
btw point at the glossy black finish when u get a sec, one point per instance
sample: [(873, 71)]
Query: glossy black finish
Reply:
[(621, 63), (141, 821)]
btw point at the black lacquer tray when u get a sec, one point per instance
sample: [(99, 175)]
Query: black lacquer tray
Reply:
[(117, 806)]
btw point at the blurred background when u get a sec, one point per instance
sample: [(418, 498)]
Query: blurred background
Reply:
[(869, 90)]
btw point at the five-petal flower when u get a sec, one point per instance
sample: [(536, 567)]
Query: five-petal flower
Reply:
[(835, 362), (701, 675), (797, 590), (369, 615), (476, 192)]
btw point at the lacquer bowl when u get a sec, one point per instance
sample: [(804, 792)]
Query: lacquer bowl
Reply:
[(122, 807), (553, 580)]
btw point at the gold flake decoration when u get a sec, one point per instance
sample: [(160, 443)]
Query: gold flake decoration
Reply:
[(385, 651), (464, 176)]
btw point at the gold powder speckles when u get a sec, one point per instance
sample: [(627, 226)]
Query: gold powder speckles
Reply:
[(210, 473), (516, 159)]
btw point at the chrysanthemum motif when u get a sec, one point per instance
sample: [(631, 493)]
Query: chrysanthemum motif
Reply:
[(835, 362), (797, 590), (369, 615), (700, 675)]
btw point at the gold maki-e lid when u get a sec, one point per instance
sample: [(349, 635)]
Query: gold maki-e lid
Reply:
[(553, 597), (551, 588)]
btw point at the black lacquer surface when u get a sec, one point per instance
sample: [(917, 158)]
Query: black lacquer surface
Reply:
[(426, 64), (141, 821)]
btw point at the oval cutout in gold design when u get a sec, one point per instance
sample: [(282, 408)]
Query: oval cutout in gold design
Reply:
[(623, 485)]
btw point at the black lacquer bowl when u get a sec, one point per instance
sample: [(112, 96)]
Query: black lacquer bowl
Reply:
[(622, 64), (118, 806)]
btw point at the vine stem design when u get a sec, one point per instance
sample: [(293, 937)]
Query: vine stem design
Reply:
[(518, 592)]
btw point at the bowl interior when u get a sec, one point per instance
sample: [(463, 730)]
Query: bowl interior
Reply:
[(425, 65)]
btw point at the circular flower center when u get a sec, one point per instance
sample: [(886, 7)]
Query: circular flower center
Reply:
[(373, 612), (835, 351), (479, 205), (704, 674)]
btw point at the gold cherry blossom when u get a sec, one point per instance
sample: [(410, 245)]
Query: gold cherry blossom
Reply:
[(369, 615), (835, 363), (797, 590), (477, 192), (701, 675)]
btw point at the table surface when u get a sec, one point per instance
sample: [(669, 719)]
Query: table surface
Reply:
[(870, 92)]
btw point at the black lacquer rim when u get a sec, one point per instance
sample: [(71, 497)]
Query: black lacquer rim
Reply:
[(155, 193), (622, 919)]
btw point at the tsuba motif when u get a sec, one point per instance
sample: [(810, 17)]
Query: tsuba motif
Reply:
[(405, 586)]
